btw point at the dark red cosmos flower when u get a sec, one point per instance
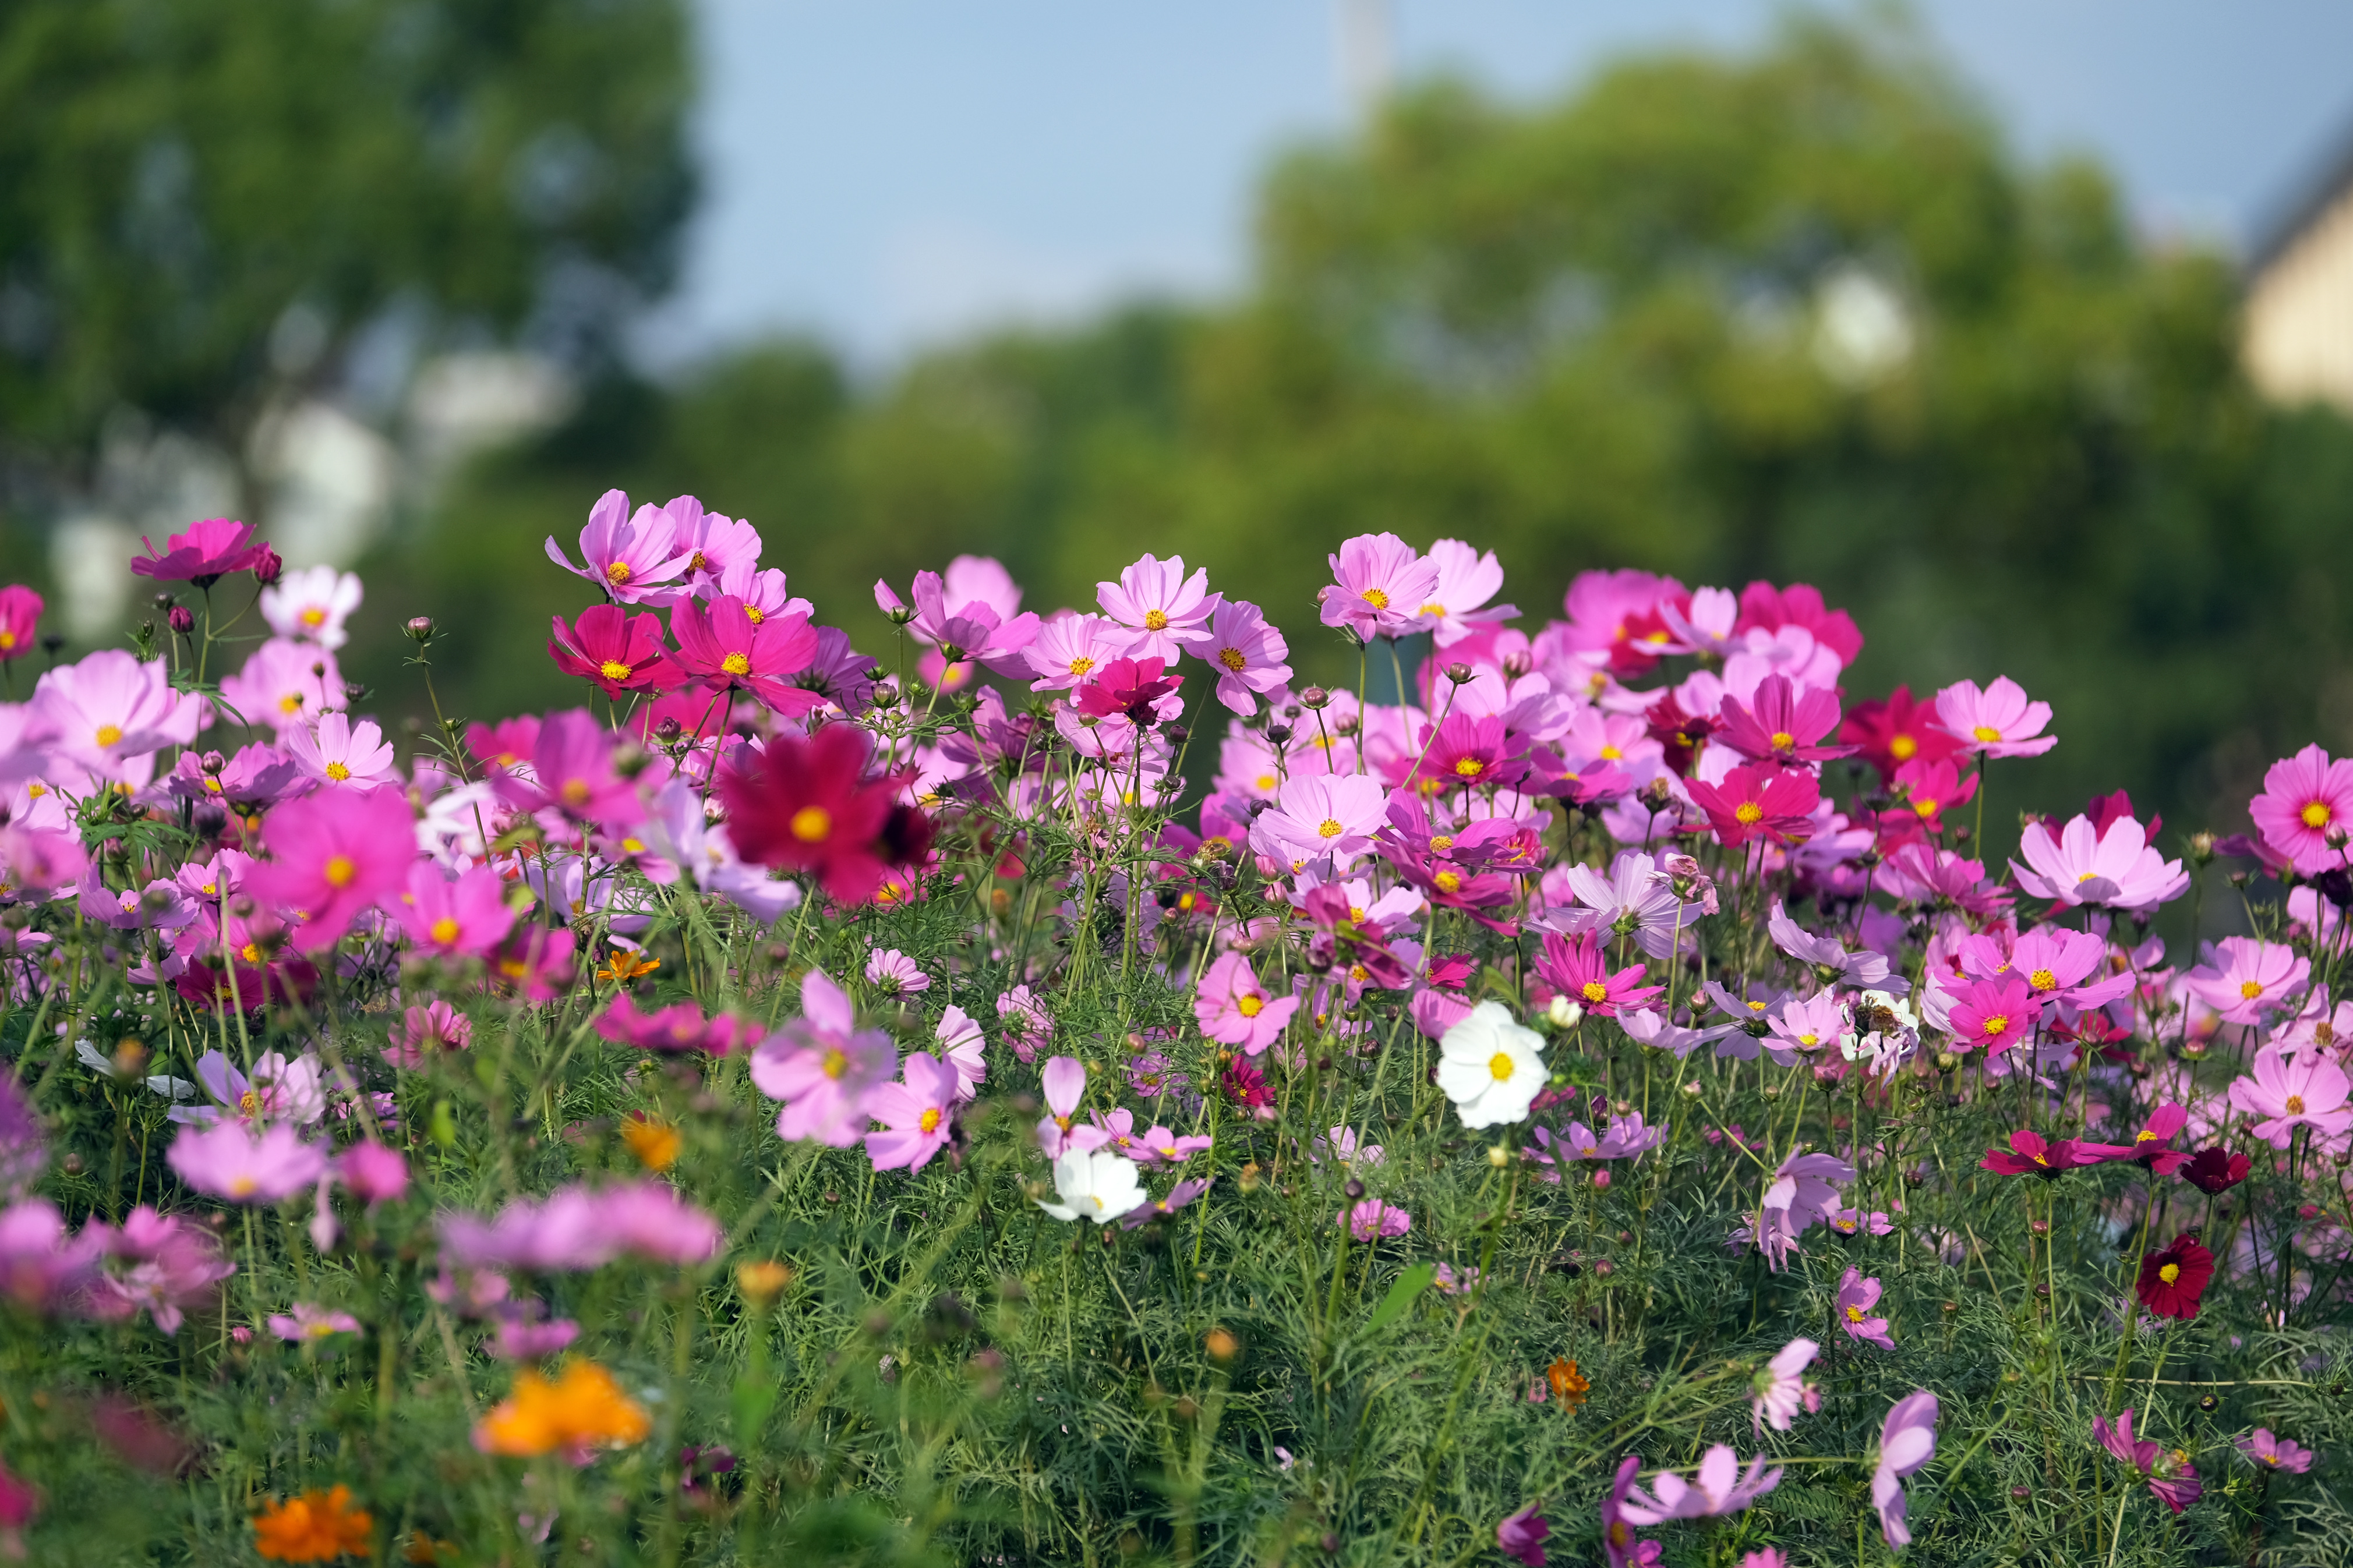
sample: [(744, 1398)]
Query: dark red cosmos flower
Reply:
[(2103, 809), (807, 806), (726, 649), (2171, 1281), (2033, 1155), (1246, 1087), (1133, 687), (1898, 730), (1782, 723), (203, 554), (619, 651), (1680, 733), (1758, 802), (2216, 1170)]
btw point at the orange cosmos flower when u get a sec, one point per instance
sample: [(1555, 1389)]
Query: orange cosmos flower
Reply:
[(1566, 1386), (583, 1408), (317, 1527), (625, 966), (655, 1143)]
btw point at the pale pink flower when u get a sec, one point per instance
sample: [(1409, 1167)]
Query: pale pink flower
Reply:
[(1322, 813), (458, 917), (1159, 605), (823, 1066), (2083, 865), (2274, 1453), (1998, 721), (961, 1042), (1778, 1391), (917, 1114), (108, 709), (1380, 584), (1856, 1297), (174, 1264), (1065, 1083), (435, 1026), (1028, 1028), (1246, 654), (713, 546), (341, 754), (575, 1229), (2292, 1091), (1907, 1441), (1373, 1219), (312, 604), (246, 1164), (2244, 978), (308, 1324), (1717, 1490), (632, 556), (1234, 1009), (892, 971), (1071, 649), (1458, 603), (283, 684)]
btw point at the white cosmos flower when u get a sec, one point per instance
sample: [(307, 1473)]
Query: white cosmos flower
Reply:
[(1099, 1186), (1489, 1067)]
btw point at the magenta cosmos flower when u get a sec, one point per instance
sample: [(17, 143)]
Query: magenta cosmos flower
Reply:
[(573, 772), (1753, 802), (619, 651), (1521, 1536), (462, 917), (1783, 724), (106, 708), (334, 856), (2307, 801), (2171, 1478), (1998, 721), (373, 1174), (20, 621), (2289, 1092), (1236, 1010), (1907, 1441), (2031, 1154), (1779, 1390), (1856, 1297), (1245, 652), (917, 1114), (203, 554), (1618, 1541), (632, 556), (2243, 978), (2274, 1453), (246, 1164), (1719, 1488), (822, 1066), (435, 1026), (1576, 968), (2084, 865), (1994, 1014), (1380, 584), (1372, 1219), (1160, 607), (727, 651)]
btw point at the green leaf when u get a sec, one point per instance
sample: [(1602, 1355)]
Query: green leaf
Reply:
[(1411, 1283)]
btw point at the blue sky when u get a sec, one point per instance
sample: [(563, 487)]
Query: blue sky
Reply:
[(886, 173)]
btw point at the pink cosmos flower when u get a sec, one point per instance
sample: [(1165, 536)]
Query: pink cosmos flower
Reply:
[(1576, 968), (333, 858), (1998, 721), (106, 708), (246, 1164), (1028, 1027), (1247, 653), (461, 917), (1994, 1014), (1065, 1083), (203, 555), (435, 1026), (2031, 1154), (1779, 1391), (341, 754), (2274, 1453), (1372, 1219), (2081, 865), (726, 649), (2247, 978), (619, 651), (575, 1229), (961, 1042), (42, 1265), (633, 556), (891, 970), (20, 621), (308, 1324), (312, 605), (283, 684), (519, 1339), (1615, 615), (918, 1115), (1751, 656), (1783, 724), (1618, 1541), (1069, 649), (970, 614), (2171, 1478), (1907, 1441), (174, 1264), (1753, 802), (2307, 800), (1458, 603), (1159, 605), (712, 545), (1380, 584), (1234, 1009), (1803, 1190), (823, 1066), (1635, 900), (1160, 1146), (573, 772), (2152, 1145), (1764, 606), (2292, 1091), (373, 1174), (1323, 813), (282, 1088), (1521, 1536), (1719, 1488), (1856, 1297), (680, 1026)]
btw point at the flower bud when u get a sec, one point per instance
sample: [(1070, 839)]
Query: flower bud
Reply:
[(1499, 1156), (419, 628), (900, 615), (1459, 673), (1562, 1013), (1354, 1189), (180, 620), (267, 567), (1279, 735), (1691, 1089), (1314, 697)]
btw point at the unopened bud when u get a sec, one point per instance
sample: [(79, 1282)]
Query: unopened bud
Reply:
[(901, 616), (1691, 1089), (1499, 1156), (667, 732), (267, 568), (1354, 1189), (1459, 673), (885, 695), (419, 628), (1314, 697), (180, 620), (1279, 735), (1562, 1013)]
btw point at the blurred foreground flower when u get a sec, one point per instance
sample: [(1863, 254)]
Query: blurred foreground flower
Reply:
[(584, 1409)]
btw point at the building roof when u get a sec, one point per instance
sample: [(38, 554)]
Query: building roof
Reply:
[(2325, 180)]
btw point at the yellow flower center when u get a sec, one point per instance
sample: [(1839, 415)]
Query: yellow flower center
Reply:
[(1266, 781), (445, 931), (1378, 599), (1468, 768), (2042, 980), (1329, 827), (1987, 734), (242, 1185), (1448, 882), (1155, 620), (1809, 1040), (2250, 989), (314, 617), (340, 871), (1747, 813), (1995, 1024), (1232, 658), (7, 640), (574, 792), (1499, 1066), (249, 1102), (1250, 1006), (811, 823), (109, 733), (618, 573), (338, 771), (930, 1120), (1443, 844), (2295, 1105), (1783, 739), (2316, 814), (757, 616), (1903, 748), (2169, 1273), (1854, 1314), (1081, 664), (291, 703), (736, 664), (1611, 754), (697, 561), (834, 1063), (1755, 1007), (1433, 608), (249, 952), (613, 670), (1594, 990)]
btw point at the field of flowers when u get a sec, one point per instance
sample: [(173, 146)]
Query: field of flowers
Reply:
[(813, 1105)]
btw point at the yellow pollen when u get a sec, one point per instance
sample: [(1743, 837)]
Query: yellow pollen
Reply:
[(1755, 1007), (1500, 1065), (338, 771), (2316, 814), (109, 733), (2042, 980), (1266, 781), (1854, 1314), (1996, 1024), (242, 1185), (930, 1121), (1249, 1006), (37, 790), (574, 792), (1232, 658), (445, 931), (634, 846), (618, 573), (697, 561), (1081, 664), (1594, 990), (1783, 739), (291, 703), (314, 616), (613, 670), (1376, 598), (1443, 844), (340, 871), (249, 1102), (736, 664), (2295, 1105), (2170, 1272), (1329, 828), (1810, 1039), (1611, 754), (1448, 882), (834, 1063), (1903, 748), (2144, 1136), (2085, 877), (1468, 768), (249, 952), (1747, 813), (1359, 974), (1155, 620), (1987, 734), (1356, 913), (2250, 989), (811, 824), (757, 616), (1925, 808), (7, 640)]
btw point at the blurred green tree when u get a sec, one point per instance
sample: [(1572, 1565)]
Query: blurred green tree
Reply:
[(200, 204)]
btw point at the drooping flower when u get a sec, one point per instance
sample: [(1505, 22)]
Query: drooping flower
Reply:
[(583, 1409), (823, 1066), (1160, 607), (632, 556), (333, 857), (1234, 1009), (1778, 1391), (1380, 584), (1998, 721), (422, 1030), (972, 614), (2172, 1478), (1490, 1068), (203, 553), (247, 1165), (1804, 1190), (1094, 1184), (41, 1263), (619, 651), (1856, 1297), (889, 970), (1372, 1219), (1753, 802), (1521, 1536), (917, 1114), (1244, 653), (1907, 1441), (2271, 1453), (318, 1526), (2292, 1091), (1719, 1488), (1028, 1027), (2307, 800), (2216, 1170), (173, 1264), (2172, 1280)]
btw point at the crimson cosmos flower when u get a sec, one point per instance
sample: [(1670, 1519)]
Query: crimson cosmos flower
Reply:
[(1894, 733), (727, 649), (2171, 1281), (2033, 1155), (2216, 1170), (619, 651), (807, 806)]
